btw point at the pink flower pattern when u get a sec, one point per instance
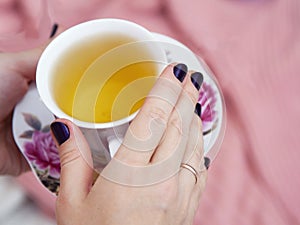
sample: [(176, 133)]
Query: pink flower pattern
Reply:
[(43, 153), (40, 150), (207, 100)]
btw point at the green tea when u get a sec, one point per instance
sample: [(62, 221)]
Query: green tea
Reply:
[(103, 79)]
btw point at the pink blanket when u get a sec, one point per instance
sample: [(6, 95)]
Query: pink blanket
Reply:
[(253, 47)]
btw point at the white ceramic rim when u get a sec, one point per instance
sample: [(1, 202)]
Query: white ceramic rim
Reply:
[(76, 33)]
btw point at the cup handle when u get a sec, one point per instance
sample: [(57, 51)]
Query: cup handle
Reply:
[(113, 144)]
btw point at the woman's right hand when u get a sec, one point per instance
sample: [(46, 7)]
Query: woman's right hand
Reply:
[(145, 182)]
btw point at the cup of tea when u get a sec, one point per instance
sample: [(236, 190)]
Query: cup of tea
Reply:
[(97, 74)]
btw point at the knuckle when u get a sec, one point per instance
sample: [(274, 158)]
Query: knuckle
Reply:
[(198, 152), (166, 90), (157, 113), (68, 155), (172, 88), (176, 122), (169, 86), (168, 195)]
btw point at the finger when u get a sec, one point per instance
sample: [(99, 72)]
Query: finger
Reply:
[(54, 30), (195, 150), (195, 198), (25, 62), (179, 124), (147, 129), (186, 178), (192, 157), (198, 188), (75, 161)]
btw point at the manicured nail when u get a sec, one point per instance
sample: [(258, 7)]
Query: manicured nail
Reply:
[(61, 132), (54, 29), (180, 71), (206, 162), (197, 79), (198, 109)]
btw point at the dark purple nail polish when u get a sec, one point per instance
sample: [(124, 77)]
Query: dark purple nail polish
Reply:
[(180, 71), (206, 162), (198, 109), (61, 132), (54, 29), (197, 79)]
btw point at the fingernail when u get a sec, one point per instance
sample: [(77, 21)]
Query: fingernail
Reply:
[(180, 71), (197, 79), (206, 162), (61, 132), (198, 109), (54, 29)]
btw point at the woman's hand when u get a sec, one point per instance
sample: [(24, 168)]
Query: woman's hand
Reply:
[(157, 175), (17, 70)]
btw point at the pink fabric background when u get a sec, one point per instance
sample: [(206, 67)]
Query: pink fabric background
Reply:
[(253, 47)]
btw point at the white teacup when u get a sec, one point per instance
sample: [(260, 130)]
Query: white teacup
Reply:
[(103, 138)]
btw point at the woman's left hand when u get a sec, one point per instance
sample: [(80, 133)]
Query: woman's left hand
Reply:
[(17, 70)]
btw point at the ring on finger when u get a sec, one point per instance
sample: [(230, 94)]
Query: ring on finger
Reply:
[(191, 169)]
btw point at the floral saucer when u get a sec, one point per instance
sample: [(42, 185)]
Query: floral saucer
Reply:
[(31, 129), (31, 118)]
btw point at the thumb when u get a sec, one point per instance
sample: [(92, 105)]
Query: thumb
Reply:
[(75, 160)]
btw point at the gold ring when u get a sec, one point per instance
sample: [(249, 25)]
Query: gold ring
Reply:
[(191, 169)]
